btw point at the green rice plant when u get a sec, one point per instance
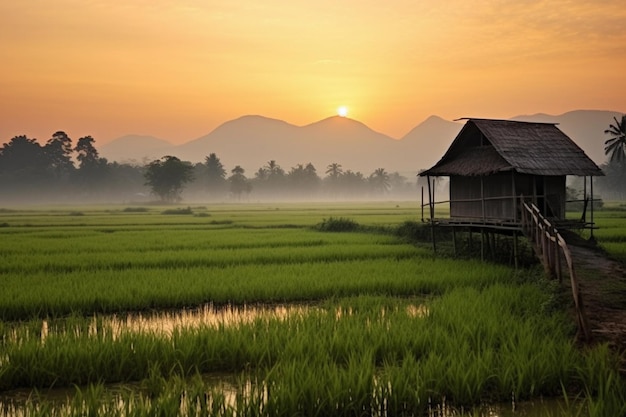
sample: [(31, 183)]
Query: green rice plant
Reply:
[(393, 329)]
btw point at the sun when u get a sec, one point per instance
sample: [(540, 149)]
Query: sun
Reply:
[(342, 111)]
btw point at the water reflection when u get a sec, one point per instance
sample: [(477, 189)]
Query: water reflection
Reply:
[(164, 323), (226, 389), (228, 396)]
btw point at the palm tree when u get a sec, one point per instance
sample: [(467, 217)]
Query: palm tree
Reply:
[(334, 170), (380, 180), (238, 182), (616, 146)]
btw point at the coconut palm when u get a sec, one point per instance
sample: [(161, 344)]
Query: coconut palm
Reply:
[(615, 147), (334, 170), (238, 182), (380, 180)]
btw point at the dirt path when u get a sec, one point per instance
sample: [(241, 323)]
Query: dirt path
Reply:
[(602, 282)]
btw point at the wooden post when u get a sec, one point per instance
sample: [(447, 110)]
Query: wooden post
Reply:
[(515, 254), (583, 218), (432, 214), (454, 240), (557, 254), (482, 196), (482, 244), (422, 204), (514, 197), (591, 188), (544, 250)]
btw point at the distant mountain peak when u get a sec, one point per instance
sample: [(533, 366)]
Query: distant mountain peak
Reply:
[(251, 140)]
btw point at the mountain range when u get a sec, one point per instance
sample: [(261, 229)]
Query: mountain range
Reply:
[(252, 141)]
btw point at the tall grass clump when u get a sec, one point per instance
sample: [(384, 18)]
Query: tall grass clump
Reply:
[(338, 224), (135, 210), (181, 210), (413, 231)]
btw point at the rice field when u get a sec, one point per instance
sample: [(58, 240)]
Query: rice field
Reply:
[(611, 234), (354, 323)]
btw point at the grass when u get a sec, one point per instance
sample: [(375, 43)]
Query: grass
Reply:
[(485, 333)]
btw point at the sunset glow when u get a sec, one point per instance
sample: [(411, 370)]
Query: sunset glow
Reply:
[(178, 69), (342, 111)]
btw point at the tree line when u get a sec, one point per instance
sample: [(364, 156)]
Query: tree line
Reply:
[(61, 171)]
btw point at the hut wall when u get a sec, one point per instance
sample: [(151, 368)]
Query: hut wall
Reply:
[(461, 190), (466, 197)]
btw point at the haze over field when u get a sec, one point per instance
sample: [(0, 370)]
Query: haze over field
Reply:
[(176, 70)]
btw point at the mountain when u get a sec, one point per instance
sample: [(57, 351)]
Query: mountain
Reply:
[(249, 141), (252, 141), (136, 148), (426, 143)]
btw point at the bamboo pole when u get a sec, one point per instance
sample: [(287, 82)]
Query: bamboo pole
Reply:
[(432, 214), (454, 240), (591, 188), (515, 254), (422, 204)]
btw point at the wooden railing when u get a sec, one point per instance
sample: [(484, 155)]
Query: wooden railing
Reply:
[(549, 245)]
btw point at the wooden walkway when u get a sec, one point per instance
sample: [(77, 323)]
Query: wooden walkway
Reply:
[(549, 245)]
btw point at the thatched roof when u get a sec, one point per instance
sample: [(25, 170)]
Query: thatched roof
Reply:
[(485, 147)]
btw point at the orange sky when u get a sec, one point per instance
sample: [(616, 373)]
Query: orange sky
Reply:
[(176, 69)]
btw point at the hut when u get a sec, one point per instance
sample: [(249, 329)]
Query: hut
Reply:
[(494, 164)]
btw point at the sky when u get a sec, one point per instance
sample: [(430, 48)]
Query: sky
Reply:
[(177, 69)]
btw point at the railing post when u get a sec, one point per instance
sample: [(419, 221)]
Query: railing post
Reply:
[(548, 241)]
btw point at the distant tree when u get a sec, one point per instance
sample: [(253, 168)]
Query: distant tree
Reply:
[(126, 179), (92, 170), (261, 175), (334, 171), (239, 184), (615, 147), (379, 181), (86, 152), (215, 174), (398, 183), (303, 179), (23, 170), (167, 177), (270, 179), (58, 153), (613, 184), (353, 183), (21, 156)]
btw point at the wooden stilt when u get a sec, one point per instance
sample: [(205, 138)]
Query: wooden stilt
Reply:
[(482, 245), (515, 254), (454, 240), (431, 205)]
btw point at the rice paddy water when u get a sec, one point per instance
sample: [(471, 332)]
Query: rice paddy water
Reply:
[(252, 310)]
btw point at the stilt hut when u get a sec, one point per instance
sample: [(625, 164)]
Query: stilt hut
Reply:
[(493, 164)]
